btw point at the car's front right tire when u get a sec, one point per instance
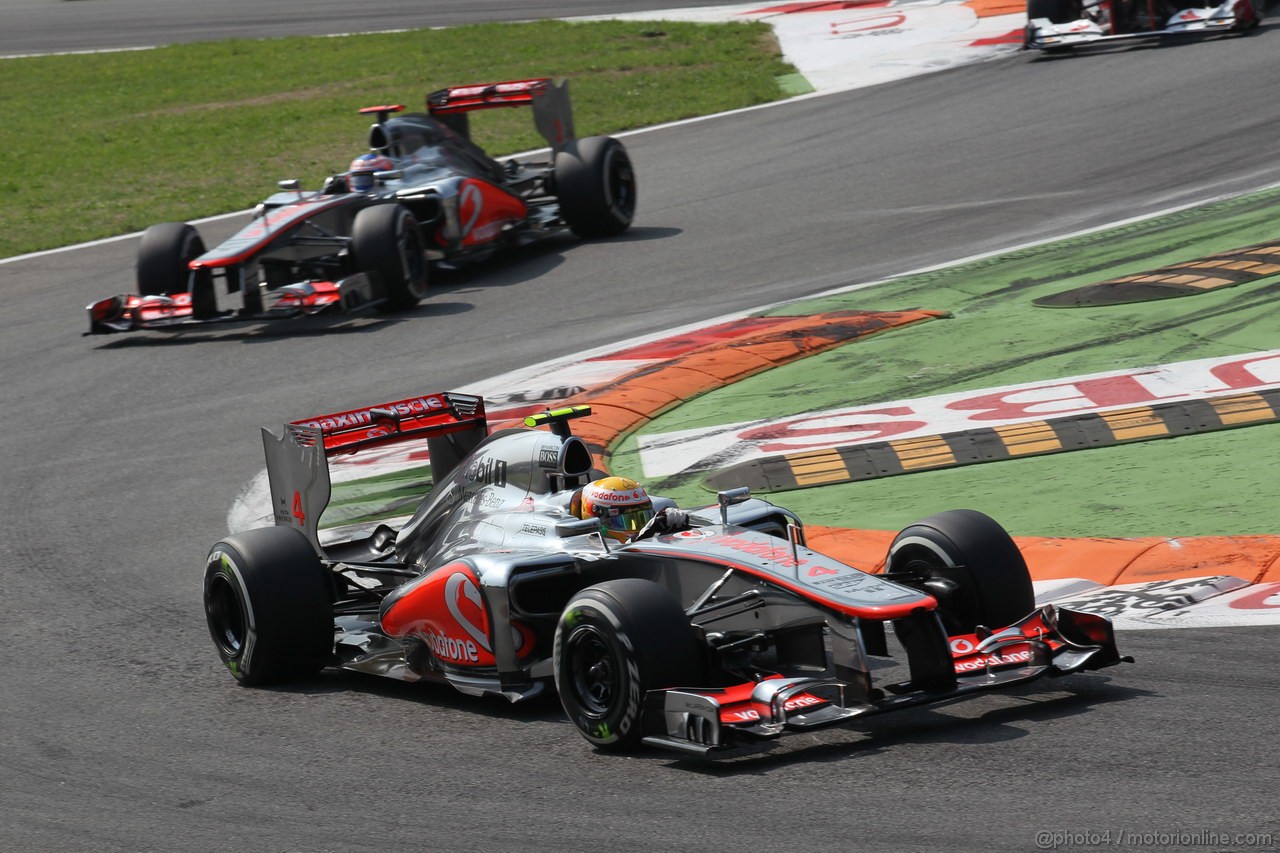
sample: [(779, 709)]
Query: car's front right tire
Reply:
[(971, 563), (596, 186), (387, 244)]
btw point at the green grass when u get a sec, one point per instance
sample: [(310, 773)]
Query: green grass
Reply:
[(110, 143), (1222, 483)]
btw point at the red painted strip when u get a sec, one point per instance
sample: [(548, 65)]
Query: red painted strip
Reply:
[(683, 344), (798, 8), (1011, 37)]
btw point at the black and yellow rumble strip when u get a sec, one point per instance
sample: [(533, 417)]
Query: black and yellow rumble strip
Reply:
[(1227, 269), (1015, 441)]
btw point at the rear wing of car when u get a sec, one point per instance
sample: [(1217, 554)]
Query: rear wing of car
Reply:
[(552, 111), (298, 460)]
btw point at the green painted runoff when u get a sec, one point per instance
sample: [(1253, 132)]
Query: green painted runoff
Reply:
[(1222, 483)]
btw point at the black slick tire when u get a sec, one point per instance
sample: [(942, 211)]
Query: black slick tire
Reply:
[(973, 561), (616, 641), (268, 601), (596, 186), (387, 244), (164, 254)]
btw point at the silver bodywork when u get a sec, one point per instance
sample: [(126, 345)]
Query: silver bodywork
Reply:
[(1094, 26), (494, 552)]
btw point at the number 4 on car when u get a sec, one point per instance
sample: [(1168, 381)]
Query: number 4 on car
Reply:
[(524, 570)]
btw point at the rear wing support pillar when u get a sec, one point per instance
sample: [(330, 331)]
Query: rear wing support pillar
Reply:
[(299, 476), (452, 424), (552, 110)]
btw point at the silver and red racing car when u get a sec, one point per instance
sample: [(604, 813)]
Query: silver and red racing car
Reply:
[(1061, 25), (423, 194), (704, 630)]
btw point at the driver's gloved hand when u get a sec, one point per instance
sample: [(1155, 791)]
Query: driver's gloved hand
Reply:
[(672, 520)]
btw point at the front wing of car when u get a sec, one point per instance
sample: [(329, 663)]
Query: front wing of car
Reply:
[(1050, 641), (1044, 34), (131, 312)]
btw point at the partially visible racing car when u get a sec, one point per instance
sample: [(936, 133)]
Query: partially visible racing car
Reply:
[(696, 636), (423, 194), (1060, 25)]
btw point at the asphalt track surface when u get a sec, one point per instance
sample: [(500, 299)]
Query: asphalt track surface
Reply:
[(118, 730), (46, 26)]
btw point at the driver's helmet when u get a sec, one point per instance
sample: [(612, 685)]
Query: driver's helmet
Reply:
[(620, 504), (360, 176)]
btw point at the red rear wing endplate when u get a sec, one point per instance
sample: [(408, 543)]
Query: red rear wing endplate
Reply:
[(461, 99), (423, 415)]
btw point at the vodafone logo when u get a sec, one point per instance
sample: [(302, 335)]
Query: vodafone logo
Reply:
[(696, 533), (446, 609), (604, 496), (460, 591), (447, 648), (748, 715), (961, 646), (993, 660)]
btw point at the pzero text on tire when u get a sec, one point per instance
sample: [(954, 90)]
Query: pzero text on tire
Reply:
[(596, 186), (616, 641), (974, 565), (268, 601), (387, 244)]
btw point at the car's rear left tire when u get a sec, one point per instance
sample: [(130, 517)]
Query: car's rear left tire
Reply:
[(268, 601), (616, 641), (972, 566), (596, 186), (387, 244)]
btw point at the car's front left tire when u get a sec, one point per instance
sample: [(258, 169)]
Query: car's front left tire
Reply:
[(615, 642), (165, 253)]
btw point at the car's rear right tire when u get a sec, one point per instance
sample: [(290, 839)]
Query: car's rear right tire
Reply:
[(268, 601), (596, 186), (387, 244), (616, 641)]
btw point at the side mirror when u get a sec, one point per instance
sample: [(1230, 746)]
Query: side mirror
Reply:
[(729, 497), (576, 527)]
